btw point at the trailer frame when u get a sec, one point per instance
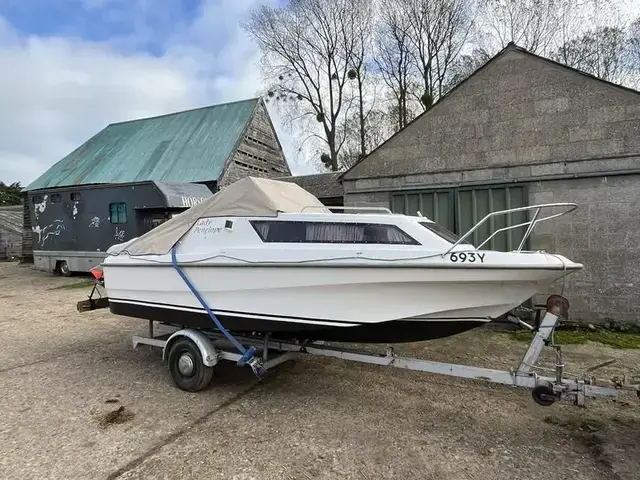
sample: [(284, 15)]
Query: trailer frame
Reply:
[(201, 351)]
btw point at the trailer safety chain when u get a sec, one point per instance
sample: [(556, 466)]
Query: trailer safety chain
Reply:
[(248, 354)]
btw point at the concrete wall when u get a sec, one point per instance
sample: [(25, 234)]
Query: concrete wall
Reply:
[(603, 235), (259, 154)]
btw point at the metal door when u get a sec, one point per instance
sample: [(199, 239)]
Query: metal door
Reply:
[(472, 204), (436, 205), (459, 209)]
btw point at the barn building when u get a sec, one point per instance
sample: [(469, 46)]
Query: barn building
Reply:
[(326, 187), (10, 232), (525, 130), (133, 175)]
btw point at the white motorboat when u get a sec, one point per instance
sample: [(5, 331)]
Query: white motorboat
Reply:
[(264, 256)]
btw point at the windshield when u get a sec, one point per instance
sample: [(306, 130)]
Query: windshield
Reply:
[(442, 232)]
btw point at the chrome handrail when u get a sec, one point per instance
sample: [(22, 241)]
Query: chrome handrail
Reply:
[(366, 209), (531, 223)]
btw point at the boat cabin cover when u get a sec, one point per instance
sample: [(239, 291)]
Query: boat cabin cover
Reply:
[(249, 197)]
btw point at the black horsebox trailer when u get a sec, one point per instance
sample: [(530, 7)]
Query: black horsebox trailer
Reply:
[(73, 226)]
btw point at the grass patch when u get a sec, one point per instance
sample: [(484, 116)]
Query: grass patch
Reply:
[(73, 286), (577, 337)]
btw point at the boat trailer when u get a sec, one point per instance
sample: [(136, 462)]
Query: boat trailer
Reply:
[(192, 354)]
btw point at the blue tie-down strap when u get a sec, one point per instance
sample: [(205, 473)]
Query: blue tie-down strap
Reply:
[(249, 358), (248, 355)]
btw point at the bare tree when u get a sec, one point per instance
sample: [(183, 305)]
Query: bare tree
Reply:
[(438, 29), (465, 65), (307, 50), (633, 47), (393, 56), (599, 52), (360, 61), (376, 132), (532, 24)]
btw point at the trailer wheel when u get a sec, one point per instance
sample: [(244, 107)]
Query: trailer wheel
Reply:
[(187, 369), (544, 395), (63, 268)]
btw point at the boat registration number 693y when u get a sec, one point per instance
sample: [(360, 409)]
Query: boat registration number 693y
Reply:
[(469, 257)]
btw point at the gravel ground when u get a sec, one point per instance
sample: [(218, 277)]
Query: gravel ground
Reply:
[(63, 375)]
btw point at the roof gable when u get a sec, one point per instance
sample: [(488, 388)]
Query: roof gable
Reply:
[(188, 146), (515, 90), (321, 185)]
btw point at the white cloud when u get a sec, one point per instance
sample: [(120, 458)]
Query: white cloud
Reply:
[(62, 90)]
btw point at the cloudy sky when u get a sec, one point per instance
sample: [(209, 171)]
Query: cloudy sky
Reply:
[(70, 67)]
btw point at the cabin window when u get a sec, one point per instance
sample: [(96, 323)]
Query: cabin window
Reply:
[(56, 198), (75, 196), (330, 232), (36, 199), (442, 232), (118, 212)]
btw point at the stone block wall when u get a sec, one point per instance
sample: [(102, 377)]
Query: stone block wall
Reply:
[(603, 234)]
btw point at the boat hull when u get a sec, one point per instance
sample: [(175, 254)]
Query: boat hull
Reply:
[(351, 304), (398, 331)]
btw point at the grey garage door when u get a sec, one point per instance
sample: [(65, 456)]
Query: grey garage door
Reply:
[(458, 209)]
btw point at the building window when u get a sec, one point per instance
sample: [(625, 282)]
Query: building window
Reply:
[(330, 232), (118, 212), (75, 196), (36, 199), (56, 198), (259, 142), (250, 167), (251, 155)]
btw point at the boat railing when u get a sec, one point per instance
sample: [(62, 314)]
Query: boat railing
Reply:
[(384, 210), (530, 224)]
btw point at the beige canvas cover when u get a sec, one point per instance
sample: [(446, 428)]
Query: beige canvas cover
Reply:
[(249, 197)]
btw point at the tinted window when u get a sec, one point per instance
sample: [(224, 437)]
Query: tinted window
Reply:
[(118, 212), (56, 198), (442, 232), (330, 232)]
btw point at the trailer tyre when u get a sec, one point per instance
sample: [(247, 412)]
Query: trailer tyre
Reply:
[(63, 268), (543, 395), (187, 368)]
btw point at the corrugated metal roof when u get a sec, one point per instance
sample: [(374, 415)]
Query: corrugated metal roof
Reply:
[(11, 219), (179, 147)]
